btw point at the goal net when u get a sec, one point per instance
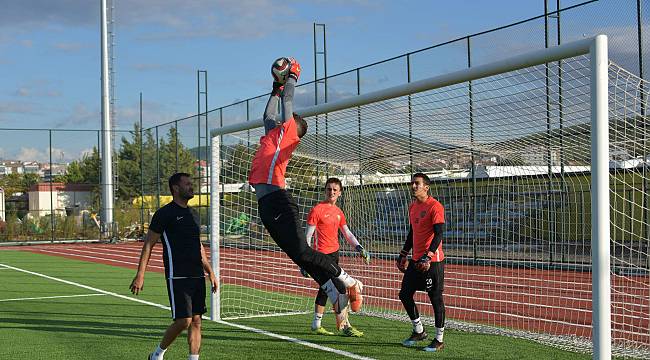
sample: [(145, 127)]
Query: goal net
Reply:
[(509, 154)]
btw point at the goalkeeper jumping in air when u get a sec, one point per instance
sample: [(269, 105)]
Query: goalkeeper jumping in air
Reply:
[(325, 219), (277, 209)]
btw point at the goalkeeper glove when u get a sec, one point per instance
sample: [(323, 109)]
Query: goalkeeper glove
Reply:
[(364, 254), (294, 70), (304, 272), (424, 263), (402, 261)]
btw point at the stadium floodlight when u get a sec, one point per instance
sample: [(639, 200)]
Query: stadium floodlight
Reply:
[(525, 153)]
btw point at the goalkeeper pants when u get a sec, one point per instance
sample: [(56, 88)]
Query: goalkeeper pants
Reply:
[(432, 282), (281, 218)]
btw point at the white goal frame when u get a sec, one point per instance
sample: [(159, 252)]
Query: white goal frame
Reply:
[(596, 48)]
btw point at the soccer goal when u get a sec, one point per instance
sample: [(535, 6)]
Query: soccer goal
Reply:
[(541, 161)]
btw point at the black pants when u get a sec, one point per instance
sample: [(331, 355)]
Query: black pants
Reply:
[(280, 216), (433, 282), (321, 297)]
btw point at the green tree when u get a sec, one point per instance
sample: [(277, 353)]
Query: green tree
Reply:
[(18, 183), (169, 162)]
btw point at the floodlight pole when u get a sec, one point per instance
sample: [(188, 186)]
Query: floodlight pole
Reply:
[(107, 154)]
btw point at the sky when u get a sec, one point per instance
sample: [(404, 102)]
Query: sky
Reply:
[(50, 54)]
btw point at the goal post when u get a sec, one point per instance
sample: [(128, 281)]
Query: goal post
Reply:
[(525, 183)]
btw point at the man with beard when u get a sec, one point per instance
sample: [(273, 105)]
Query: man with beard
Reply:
[(177, 226)]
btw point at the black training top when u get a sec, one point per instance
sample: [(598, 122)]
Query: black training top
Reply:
[(179, 231)]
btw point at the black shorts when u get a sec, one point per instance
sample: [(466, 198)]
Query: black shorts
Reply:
[(186, 297), (431, 281)]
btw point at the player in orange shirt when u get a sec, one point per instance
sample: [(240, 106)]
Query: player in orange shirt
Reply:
[(325, 220), (277, 209), (427, 219)]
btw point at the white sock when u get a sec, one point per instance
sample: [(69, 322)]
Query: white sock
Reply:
[(159, 353), (331, 291), (315, 324), (439, 333), (417, 326), (193, 357), (346, 279)]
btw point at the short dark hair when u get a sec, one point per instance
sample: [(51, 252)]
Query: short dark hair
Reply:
[(301, 125), (422, 176), (176, 179), (334, 180)]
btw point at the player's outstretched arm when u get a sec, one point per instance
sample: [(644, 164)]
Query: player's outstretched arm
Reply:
[(149, 242), (289, 88), (354, 242), (208, 269), (271, 110)]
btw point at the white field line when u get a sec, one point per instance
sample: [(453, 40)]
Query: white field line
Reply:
[(50, 297), (244, 327)]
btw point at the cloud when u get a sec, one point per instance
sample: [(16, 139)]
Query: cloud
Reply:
[(38, 88), (22, 92), (43, 155), (80, 115), (12, 107), (69, 47), (179, 19), (176, 68), (27, 14)]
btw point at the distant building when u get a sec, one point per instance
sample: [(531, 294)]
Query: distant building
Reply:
[(32, 167), (11, 167), (53, 171), (43, 197)]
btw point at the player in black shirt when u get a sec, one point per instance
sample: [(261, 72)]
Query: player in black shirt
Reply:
[(177, 227)]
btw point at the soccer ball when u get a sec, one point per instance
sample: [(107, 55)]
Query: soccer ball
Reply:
[(280, 70)]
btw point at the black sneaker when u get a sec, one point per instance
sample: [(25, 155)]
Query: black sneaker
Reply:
[(414, 338), (434, 346)]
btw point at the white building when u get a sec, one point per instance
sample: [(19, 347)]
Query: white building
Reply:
[(45, 196), (11, 167)]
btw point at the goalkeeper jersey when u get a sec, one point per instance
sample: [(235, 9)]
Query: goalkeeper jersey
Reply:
[(422, 216), (270, 162), (328, 219), (180, 233)]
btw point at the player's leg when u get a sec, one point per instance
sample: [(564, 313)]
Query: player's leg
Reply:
[(181, 307), (198, 309), (434, 290), (411, 282), (194, 336), (319, 306), (319, 311), (343, 318)]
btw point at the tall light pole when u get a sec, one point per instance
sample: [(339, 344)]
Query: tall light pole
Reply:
[(107, 147)]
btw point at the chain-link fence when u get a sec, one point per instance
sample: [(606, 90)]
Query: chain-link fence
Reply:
[(51, 179)]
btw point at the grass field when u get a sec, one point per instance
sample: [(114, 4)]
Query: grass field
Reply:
[(58, 308)]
